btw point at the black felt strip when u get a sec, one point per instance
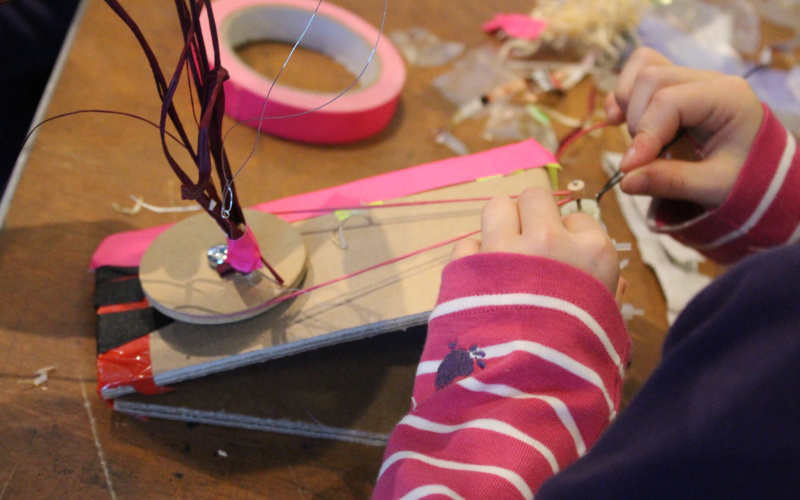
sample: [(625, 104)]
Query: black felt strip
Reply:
[(116, 329), (117, 285)]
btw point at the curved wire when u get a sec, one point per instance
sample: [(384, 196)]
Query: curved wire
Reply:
[(227, 198)]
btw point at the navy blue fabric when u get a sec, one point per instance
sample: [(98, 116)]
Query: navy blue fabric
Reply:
[(720, 416), (31, 34)]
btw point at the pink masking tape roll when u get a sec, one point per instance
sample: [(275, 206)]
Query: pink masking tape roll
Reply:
[(361, 112)]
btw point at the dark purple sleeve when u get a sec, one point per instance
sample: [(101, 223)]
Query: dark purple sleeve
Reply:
[(720, 417)]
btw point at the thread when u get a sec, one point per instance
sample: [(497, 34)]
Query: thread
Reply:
[(153, 208), (310, 289), (303, 291)]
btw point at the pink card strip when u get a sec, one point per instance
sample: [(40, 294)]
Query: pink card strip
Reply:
[(516, 26), (126, 249)]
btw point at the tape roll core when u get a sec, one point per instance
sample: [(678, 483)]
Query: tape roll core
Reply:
[(363, 111)]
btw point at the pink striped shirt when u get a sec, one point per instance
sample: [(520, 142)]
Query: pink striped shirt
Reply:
[(521, 372), (761, 211), (525, 357)]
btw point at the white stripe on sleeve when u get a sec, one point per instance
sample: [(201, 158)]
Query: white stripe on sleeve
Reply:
[(561, 409), (431, 489), (527, 299), (487, 424), (542, 351), (510, 476), (772, 191)]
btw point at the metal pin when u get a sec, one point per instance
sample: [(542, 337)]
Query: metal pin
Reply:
[(576, 189)]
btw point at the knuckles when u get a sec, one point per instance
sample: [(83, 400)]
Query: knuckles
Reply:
[(496, 203)]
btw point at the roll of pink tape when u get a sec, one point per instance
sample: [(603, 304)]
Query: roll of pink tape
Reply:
[(364, 110)]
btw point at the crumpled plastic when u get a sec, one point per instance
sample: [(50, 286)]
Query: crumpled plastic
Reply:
[(420, 47), (706, 41)]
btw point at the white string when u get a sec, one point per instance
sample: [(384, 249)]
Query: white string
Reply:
[(139, 204)]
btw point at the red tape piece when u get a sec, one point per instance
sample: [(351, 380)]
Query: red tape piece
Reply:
[(128, 365), (128, 306)]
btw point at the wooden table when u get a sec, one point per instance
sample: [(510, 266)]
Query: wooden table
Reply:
[(61, 440)]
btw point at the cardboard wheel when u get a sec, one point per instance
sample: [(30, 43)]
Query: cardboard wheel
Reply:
[(179, 281)]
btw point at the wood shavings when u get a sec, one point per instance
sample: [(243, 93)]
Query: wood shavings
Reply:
[(622, 246), (139, 204), (628, 311), (584, 24), (42, 375), (447, 139)]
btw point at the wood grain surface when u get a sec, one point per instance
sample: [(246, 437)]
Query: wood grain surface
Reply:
[(61, 440)]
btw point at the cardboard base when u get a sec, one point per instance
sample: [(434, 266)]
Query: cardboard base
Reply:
[(354, 392), (179, 282), (387, 299)]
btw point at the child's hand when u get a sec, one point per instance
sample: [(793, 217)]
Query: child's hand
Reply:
[(658, 99), (533, 225)]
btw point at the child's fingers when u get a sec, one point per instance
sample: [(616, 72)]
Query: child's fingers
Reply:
[(614, 113), (707, 182), (622, 285), (499, 223), (537, 207), (704, 105), (653, 79), (580, 223), (464, 248), (640, 59)]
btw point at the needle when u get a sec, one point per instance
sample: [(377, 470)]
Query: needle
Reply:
[(617, 177), (613, 181)]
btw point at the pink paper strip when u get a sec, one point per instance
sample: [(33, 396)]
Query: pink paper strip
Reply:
[(516, 26), (126, 249), (457, 170)]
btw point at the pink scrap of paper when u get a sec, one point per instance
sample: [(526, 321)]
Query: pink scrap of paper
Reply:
[(244, 254), (516, 25), (126, 249)]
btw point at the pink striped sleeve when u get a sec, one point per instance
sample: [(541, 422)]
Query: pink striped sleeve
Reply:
[(761, 212), (521, 372)]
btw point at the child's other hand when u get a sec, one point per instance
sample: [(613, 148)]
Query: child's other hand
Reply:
[(658, 99), (533, 225)]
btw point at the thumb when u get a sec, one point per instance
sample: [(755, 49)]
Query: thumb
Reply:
[(622, 285), (707, 183)]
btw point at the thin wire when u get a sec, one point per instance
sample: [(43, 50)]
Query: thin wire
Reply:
[(613, 181), (102, 112), (227, 195), (227, 191), (753, 70)]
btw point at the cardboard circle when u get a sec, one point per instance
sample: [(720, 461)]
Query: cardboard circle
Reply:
[(179, 282)]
